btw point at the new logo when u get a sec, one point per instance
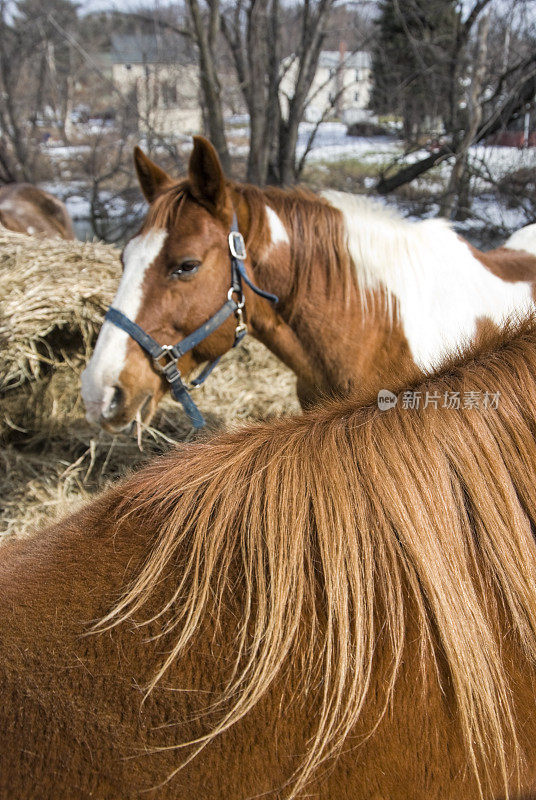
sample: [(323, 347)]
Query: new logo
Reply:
[(386, 400)]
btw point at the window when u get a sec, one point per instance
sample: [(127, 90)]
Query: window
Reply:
[(169, 94)]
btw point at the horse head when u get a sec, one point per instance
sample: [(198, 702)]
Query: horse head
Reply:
[(176, 275)]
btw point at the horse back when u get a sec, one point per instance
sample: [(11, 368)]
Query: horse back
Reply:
[(74, 722), (25, 208)]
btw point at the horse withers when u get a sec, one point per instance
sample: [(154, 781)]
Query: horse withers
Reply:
[(360, 291), (340, 605), (27, 209)]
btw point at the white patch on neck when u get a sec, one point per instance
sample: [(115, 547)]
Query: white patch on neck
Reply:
[(278, 232), (441, 289), (523, 239), (109, 357)]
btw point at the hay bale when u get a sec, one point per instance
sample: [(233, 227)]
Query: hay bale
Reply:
[(53, 295)]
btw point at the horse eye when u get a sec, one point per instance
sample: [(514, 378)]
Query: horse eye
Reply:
[(185, 268)]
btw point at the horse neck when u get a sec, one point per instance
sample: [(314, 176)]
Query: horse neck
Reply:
[(412, 292), (328, 331)]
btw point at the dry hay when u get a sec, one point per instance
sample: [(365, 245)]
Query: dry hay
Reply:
[(53, 295)]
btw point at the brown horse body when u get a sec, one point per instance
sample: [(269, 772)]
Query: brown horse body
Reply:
[(361, 291), (343, 604), (26, 209)]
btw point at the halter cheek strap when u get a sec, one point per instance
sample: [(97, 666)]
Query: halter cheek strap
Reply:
[(165, 356)]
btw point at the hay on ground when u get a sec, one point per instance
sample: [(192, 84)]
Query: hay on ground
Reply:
[(53, 295)]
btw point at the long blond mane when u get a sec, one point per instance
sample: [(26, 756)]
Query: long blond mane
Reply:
[(321, 520)]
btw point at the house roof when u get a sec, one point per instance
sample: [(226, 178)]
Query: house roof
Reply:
[(148, 49)]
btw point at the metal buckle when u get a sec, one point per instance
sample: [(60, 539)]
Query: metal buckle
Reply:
[(241, 303), (169, 366), (237, 246), (240, 324)]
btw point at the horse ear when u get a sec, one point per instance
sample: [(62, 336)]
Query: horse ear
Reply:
[(152, 179), (205, 174)]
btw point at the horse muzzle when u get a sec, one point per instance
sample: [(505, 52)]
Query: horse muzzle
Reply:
[(111, 407)]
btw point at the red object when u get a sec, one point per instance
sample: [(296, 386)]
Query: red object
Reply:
[(512, 139)]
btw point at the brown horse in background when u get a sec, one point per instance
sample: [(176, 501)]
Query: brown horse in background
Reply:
[(26, 209), (339, 605), (361, 291)]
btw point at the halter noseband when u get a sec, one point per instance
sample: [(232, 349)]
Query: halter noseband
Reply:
[(165, 356)]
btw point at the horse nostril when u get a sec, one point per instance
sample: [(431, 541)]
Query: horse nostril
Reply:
[(116, 401)]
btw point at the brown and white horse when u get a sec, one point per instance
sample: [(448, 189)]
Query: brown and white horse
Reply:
[(339, 605), (361, 290), (26, 209)]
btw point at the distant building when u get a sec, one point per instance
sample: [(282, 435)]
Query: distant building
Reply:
[(161, 80), (341, 86)]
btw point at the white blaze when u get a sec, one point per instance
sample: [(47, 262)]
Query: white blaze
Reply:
[(109, 357)]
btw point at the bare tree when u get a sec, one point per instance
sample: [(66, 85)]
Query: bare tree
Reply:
[(458, 179), (250, 29), (37, 73), (504, 91), (18, 143), (254, 31), (206, 30)]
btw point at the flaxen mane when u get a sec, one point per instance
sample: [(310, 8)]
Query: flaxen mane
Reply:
[(341, 526)]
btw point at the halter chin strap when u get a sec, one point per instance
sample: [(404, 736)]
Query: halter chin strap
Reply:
[(165, 356)]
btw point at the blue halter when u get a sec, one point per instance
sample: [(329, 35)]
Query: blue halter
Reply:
[(165, 356)]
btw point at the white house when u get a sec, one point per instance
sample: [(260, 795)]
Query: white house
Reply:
[(341, 86), (162, 82)]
